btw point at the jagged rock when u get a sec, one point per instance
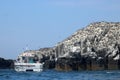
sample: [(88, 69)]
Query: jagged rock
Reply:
[(6, 64), (99, 41), (49, 64), (67, 64)]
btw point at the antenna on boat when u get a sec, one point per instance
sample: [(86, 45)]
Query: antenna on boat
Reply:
[(26, 47)]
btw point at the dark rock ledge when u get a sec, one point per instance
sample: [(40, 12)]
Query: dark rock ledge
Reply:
[(6, 64)]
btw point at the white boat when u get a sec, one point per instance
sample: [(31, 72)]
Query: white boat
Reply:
[(37, 67), (28, 62)]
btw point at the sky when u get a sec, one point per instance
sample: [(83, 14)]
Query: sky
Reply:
[(43, 23)]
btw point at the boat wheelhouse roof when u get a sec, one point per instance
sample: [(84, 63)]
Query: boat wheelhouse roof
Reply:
[(27, 54)]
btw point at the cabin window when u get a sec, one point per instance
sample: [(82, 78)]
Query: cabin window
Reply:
[(31, 60)]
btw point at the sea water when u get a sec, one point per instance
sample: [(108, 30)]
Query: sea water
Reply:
[(57, 75)]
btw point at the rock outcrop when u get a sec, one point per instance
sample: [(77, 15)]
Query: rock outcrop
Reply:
[(6, 64), (95, 47)]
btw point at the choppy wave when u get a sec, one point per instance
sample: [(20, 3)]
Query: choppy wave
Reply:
[(56, 75)]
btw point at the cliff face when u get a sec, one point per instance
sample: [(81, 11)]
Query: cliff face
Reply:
[(96, 47), (95, 37)]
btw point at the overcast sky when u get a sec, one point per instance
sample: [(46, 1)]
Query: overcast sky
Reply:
[(44, 23)]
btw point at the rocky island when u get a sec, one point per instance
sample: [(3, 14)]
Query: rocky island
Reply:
[(95, 47)]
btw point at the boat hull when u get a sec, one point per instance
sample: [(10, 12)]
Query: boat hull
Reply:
[(37, 67)]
